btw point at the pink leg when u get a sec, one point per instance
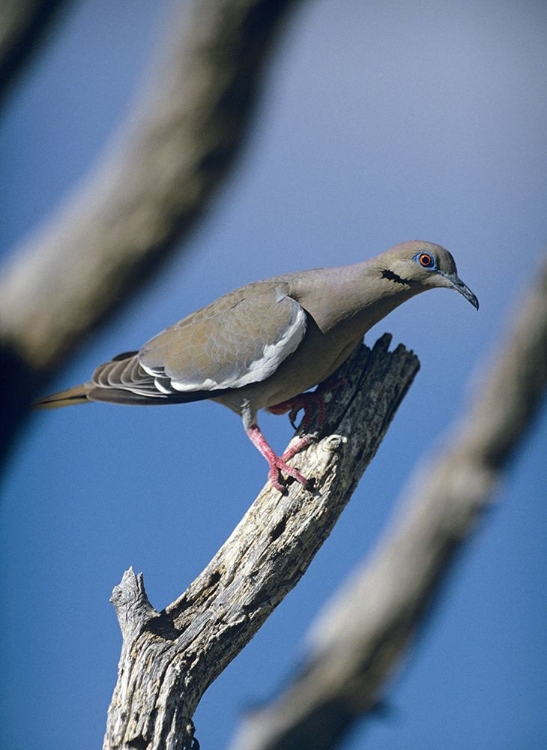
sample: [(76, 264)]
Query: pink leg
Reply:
[(277, 463)]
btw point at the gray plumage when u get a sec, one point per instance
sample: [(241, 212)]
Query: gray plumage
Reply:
[(264, 344)]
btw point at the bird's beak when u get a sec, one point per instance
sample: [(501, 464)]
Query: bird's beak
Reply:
[(457, 284)]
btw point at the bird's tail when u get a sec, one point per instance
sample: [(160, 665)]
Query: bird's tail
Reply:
[(76, 395)]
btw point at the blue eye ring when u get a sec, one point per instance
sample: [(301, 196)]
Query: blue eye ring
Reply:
[(426, 260)]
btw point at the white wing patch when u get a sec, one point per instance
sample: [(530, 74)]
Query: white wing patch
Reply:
[(257, 370)]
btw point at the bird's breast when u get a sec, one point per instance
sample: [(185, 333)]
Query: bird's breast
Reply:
[(318, 356)]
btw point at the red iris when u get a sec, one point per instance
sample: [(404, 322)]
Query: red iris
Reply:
[(425, 260)]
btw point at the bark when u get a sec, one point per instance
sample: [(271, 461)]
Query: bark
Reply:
[(363, 635), (170, 658)]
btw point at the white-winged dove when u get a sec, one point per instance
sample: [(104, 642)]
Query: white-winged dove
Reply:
[(264, 344)]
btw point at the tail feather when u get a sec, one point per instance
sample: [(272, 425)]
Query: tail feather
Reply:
[(75, 395)]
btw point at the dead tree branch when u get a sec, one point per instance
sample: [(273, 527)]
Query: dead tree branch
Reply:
[(170, 658), (361, 637)]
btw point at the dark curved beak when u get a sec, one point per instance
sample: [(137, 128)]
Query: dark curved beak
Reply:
[(462, 288)]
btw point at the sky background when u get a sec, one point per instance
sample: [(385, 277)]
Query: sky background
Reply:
[(382, 121)]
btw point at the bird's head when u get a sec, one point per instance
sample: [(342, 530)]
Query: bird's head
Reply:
[(420, 266)]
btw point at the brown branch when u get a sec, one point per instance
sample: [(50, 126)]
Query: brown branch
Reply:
[(23, 25), (169, 659), (147, 193), (363, 634)]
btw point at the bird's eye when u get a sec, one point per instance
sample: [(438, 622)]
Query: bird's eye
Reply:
[(426, 260)]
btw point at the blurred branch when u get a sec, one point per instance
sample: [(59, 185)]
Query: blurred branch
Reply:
[(149, 190), (169, 659), (364, 633), (23, 25)]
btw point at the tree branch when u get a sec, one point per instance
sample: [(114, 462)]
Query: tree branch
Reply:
[(147, 193), (170, 659), (363, 634), (22, 27)]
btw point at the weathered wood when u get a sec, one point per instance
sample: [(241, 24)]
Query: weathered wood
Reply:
[(169, 659)]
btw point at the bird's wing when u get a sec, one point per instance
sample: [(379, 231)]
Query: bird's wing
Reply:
[(241, 338)]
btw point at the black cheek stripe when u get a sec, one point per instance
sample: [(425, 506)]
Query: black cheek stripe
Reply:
[(386, 274)]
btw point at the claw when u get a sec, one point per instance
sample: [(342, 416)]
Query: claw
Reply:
[(304, 401), (308, 401)]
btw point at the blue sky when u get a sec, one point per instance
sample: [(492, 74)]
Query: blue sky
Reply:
[(381, 122)]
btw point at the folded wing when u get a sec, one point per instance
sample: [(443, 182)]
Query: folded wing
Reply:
[(241, 338)]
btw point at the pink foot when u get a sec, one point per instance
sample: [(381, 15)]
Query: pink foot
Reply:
[(297, 447), (308, 402), (277, 463)]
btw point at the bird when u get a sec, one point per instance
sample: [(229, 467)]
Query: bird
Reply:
[(264, 345)]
